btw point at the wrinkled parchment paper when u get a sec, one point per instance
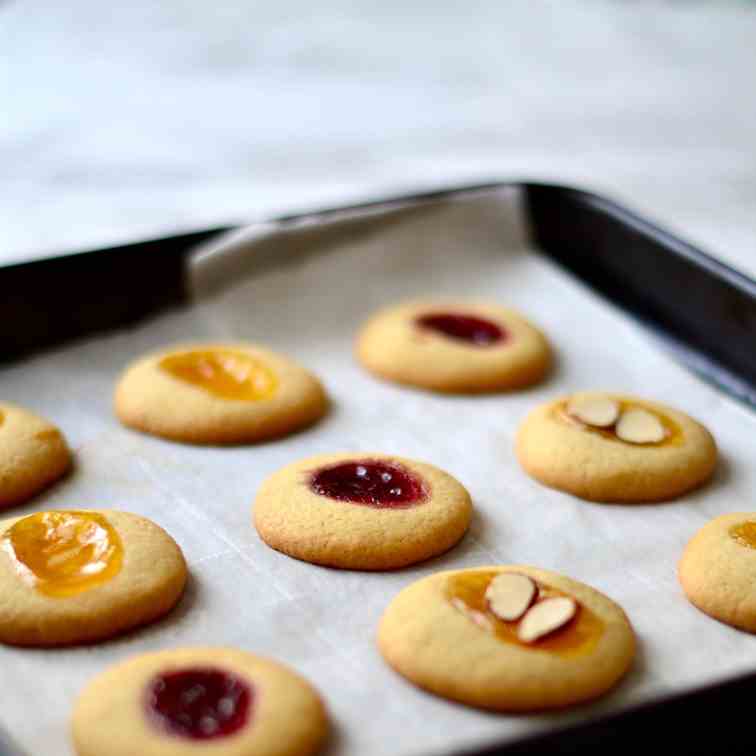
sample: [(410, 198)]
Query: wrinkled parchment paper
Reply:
[(303, 289)]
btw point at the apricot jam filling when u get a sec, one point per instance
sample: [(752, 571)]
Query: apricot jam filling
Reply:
[(64, 553), (466, 592), (225, 373), (469, 328), (374, 483), (744, 533), (199, 703), (673, 434)]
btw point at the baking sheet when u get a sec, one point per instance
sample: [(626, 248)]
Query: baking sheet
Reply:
[(303, 289)]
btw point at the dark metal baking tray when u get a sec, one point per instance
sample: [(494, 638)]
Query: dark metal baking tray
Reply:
[(702, 309)]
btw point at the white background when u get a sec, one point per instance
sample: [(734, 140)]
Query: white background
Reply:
[(121, 120)]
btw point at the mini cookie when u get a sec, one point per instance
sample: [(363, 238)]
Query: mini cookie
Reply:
[(510, 638), (217, 701), (615, 448), (76, 576), (718, 569), (361, 511), (218, 394), (33, 454), (456, 347)]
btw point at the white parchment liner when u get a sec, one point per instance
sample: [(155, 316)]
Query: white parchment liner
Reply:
[(304, 290)]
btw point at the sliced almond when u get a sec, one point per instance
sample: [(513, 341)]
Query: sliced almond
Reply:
[(546, 617), (510, 594), (639, 426), (594, 409)]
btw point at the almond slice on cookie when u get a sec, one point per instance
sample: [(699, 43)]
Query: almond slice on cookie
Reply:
[(510, 595), (639, 426), (594, 409), (545, 617)]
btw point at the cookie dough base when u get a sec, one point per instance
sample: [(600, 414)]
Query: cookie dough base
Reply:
[(393, 348), (150, 400), (148, 585), (33, 455), (568, 458), (287, 715), (718, 574), (292, 519), (432, 644)]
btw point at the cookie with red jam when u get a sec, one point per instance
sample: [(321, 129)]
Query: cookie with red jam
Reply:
[(218, 701), (454, 347), (361, 511)]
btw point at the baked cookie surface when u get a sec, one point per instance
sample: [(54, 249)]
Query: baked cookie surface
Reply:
[(33, 454), (361, 511), (218, 701), (718, 569), (563, 642), (454, 346), (218, 394), (73, 576), (615, 448)]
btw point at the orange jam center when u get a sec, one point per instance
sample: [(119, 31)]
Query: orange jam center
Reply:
[(744, 533), (673, 432), (466, 591), (64, 553), (2, 417), (225, 373)]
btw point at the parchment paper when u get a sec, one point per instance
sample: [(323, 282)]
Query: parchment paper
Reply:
[(304, 290)]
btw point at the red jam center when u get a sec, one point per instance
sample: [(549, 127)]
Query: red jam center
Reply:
[(464, 328), (377, 484), (199, 703)]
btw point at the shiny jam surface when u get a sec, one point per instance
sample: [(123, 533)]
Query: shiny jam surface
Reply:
[(466, 591), (371, 482), (225, 373), (674, 434), (199, 703), (744, 533), (64, 553), (2, 417), (469, 328)]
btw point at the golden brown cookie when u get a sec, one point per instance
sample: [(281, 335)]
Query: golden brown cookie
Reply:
[(615, 448), (215, 701), (218, 394), (75, 576), (561, 643), (361, 511), (454, 346), (33, 454), (718, 569)]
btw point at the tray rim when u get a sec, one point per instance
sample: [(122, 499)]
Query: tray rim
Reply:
[(608, 729)]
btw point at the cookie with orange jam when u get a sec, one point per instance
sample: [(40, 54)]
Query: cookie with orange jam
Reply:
[(72, 576), (718, 569), (610, 447), (33, 454), (218, 394), (454, 347), (217, 701), (362, 511), (509, 638)]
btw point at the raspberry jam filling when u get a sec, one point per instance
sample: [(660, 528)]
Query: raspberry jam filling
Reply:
[(467, 328), (64, 553), (376, 484), (199, 704)]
